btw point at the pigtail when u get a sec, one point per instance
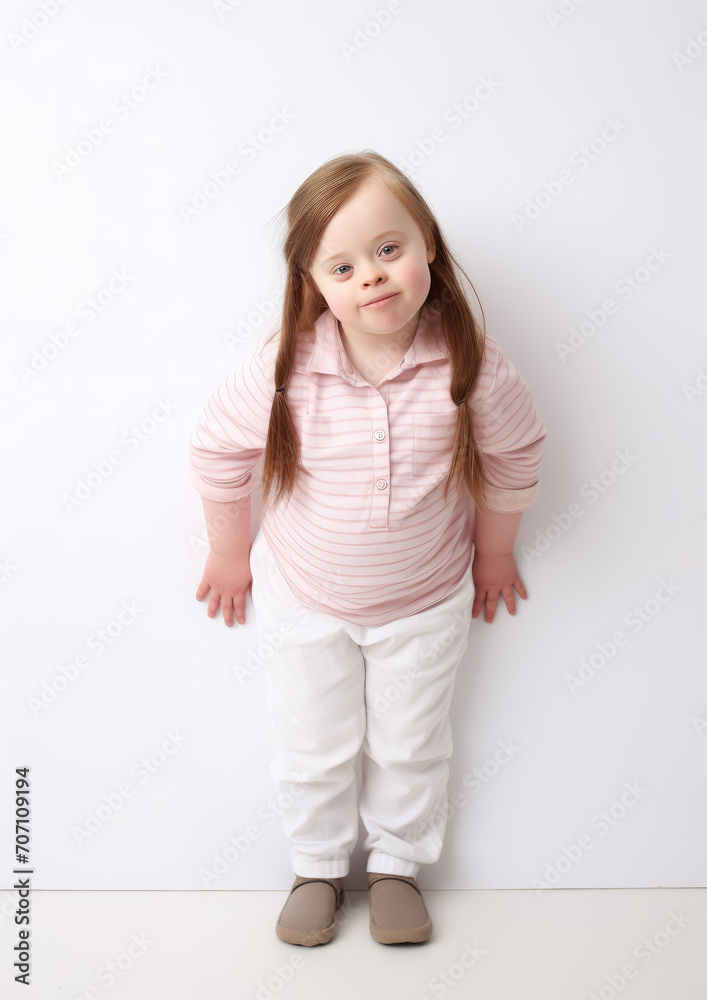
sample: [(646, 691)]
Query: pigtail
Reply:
[(282, 448), (466, 344)]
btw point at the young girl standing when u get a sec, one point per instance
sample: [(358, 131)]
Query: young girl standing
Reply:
[(405, 447)]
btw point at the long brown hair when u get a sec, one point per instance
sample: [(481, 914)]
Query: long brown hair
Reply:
[(309, 212)]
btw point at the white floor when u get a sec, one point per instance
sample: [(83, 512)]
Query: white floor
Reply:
[(588, 944)]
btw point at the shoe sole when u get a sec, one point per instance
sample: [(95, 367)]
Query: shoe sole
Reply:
[(401, 935)]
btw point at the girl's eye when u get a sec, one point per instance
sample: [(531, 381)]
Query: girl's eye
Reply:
[(388, 246)]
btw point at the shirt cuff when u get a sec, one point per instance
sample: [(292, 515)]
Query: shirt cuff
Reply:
[(511, 501), (222, 494)]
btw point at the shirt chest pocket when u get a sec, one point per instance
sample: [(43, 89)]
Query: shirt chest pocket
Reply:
[(433, 444)]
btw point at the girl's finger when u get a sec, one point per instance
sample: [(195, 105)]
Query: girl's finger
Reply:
[(510, 601), (227, 610), (476, 605), (491, 604)]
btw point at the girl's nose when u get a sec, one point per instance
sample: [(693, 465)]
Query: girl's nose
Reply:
[(372, 277)]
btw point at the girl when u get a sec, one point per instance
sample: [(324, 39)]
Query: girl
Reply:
[(405, 447)]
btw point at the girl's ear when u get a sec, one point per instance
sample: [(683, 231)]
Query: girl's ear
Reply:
[(430, 254)]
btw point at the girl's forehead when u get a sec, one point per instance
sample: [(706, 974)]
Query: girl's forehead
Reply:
[(367, 222), (373, 197)]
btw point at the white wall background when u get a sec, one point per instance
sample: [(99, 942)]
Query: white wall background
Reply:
[(191, 304)]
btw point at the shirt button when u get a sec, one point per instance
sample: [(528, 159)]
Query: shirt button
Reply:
[(379, 435), (381, 484)]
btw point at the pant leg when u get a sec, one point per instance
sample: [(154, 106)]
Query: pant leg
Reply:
[(410, 671), (317, 717)]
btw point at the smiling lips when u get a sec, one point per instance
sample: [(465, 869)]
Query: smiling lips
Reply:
[(382, 300)]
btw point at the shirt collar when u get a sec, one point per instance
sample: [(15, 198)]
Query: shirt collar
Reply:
[(328, 354)]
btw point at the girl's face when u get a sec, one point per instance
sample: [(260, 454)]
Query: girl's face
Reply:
[(372, 248)]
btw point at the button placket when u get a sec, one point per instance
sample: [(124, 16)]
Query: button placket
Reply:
[(380, 500)]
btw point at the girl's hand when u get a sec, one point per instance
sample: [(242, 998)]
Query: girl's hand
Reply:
[(228, 578), (494, 575)]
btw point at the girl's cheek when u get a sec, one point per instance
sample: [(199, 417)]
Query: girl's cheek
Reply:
[(329, 295), (416, 278), (411, 273), (335, 302)]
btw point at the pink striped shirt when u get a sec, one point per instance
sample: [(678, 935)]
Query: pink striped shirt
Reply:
[(366, 535)]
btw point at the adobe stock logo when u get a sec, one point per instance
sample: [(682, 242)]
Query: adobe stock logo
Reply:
[(592, 490), (93, 136), (220, 179), (647, 951), (696, 391), (564, 11), (223, 7), (87, 310), (36, 22), (581, 158), (103, 468), (362, 38), (696, 45), (624, 288), (114, 800), (253, 321), (601, 823), (635, 620), (456, 115)]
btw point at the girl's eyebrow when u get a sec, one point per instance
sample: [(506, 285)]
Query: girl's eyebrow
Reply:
[(346, 253)]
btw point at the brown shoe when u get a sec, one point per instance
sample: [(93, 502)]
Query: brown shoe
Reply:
[(397, 909), (308, 916)]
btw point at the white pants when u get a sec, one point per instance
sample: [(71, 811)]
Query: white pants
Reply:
[(334, 686)]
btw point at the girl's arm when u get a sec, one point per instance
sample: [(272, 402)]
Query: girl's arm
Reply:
[(494, 568), (227, 571), (495, 532), (510, 434), (228, 525)]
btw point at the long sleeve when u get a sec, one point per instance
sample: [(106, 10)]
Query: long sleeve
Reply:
[(230, 436), (509, 432)]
